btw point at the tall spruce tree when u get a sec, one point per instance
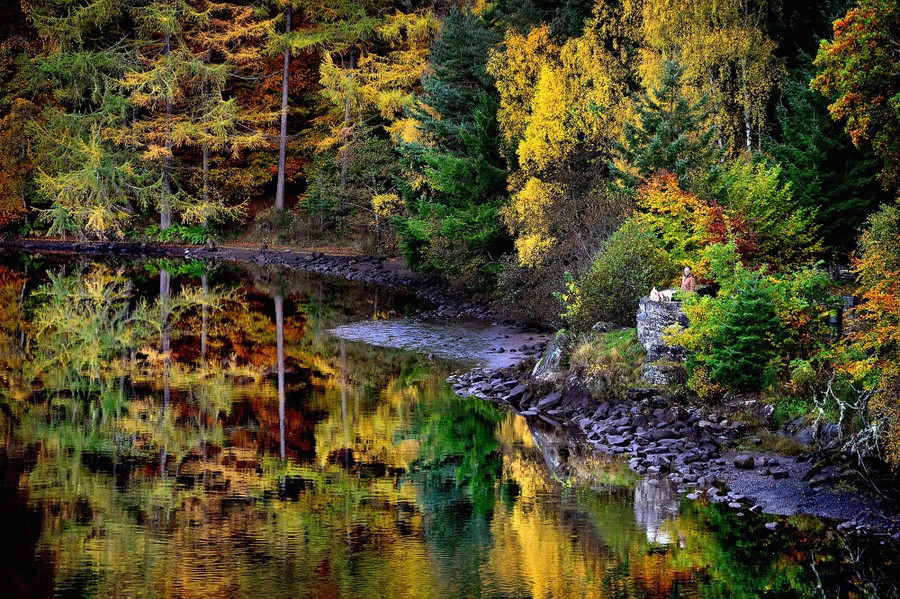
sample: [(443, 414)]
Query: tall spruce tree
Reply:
[(672, 134), (452, 222), (827, 173)]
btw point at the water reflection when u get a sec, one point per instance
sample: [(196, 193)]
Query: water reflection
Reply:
[(180, 430)]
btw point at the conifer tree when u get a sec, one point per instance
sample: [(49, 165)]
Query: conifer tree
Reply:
[(671, 134), (83, 169), (456, 157), (826, 172)]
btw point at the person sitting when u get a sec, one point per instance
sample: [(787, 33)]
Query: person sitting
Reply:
[(687, 281)]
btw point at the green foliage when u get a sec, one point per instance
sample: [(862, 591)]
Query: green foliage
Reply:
[(672, 134), (631, 262), (456, 179), (829, 177), (756, 330), (197, 235), (783, 234)]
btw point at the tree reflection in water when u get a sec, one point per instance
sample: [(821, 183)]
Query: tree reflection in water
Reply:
[(210, 438)]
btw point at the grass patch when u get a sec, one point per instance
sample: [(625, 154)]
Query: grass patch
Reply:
[(609, 363)]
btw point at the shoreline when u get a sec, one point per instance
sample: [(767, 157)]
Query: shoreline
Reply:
[(693, 449)]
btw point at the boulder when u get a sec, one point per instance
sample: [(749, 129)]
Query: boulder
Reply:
[(549, 367), (653, 318)]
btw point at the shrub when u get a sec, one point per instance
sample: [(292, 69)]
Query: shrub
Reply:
[(631, 262), (609, 362), (759, 327), (873, 348)]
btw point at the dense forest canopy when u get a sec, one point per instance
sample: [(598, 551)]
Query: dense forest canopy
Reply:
[(533, 151)]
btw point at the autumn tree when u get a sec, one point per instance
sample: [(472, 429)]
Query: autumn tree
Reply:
[(859, 72), (564, 116), (875, 343), (728, 55)]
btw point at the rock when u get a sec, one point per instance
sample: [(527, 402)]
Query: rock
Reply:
[(744, 462), (652, 320), (735, 505), (549, 367), (663, 373), (771, 525), (516, 394), (551, 401), (779, 474), (617, 440), (660, 434)]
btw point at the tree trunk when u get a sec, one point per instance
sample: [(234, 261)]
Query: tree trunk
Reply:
[(205, 186), (165, 205), (345, 151), (748, 126), (282, 140), (279, 327)]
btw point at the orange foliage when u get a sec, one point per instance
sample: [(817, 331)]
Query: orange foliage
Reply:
[(688, 223)]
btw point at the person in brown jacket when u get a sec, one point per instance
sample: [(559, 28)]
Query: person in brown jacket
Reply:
[(687, 281)]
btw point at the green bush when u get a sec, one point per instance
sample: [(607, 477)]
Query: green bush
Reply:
[(760, 329), (631, 262)]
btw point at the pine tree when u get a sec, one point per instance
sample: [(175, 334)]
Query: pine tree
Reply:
[(672, 134)]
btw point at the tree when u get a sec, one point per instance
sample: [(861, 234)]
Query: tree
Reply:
[(564, 138), (457, 177), (228, 41), (81, 165), (632, 261), (671, 134), (874, 344), (727, 54), (859, 71), (828, 175)]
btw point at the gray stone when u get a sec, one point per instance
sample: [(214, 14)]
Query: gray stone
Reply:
[(516, 394), (617, 441), (549, 367), (551, 401), (652, 321), (744, 462), (779, 474), (772, 525)]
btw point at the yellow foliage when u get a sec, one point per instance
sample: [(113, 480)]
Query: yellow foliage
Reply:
[(546, 139), (527, 210), (532, 247), (387, 204), (725, 52), (516, 68)]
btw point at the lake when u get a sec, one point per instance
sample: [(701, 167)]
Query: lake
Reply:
[(177, 428)]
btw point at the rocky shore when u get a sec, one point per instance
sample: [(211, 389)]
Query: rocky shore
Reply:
[(695, 450)]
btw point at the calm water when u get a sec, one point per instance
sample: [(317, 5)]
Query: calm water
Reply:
[(171, 429)]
